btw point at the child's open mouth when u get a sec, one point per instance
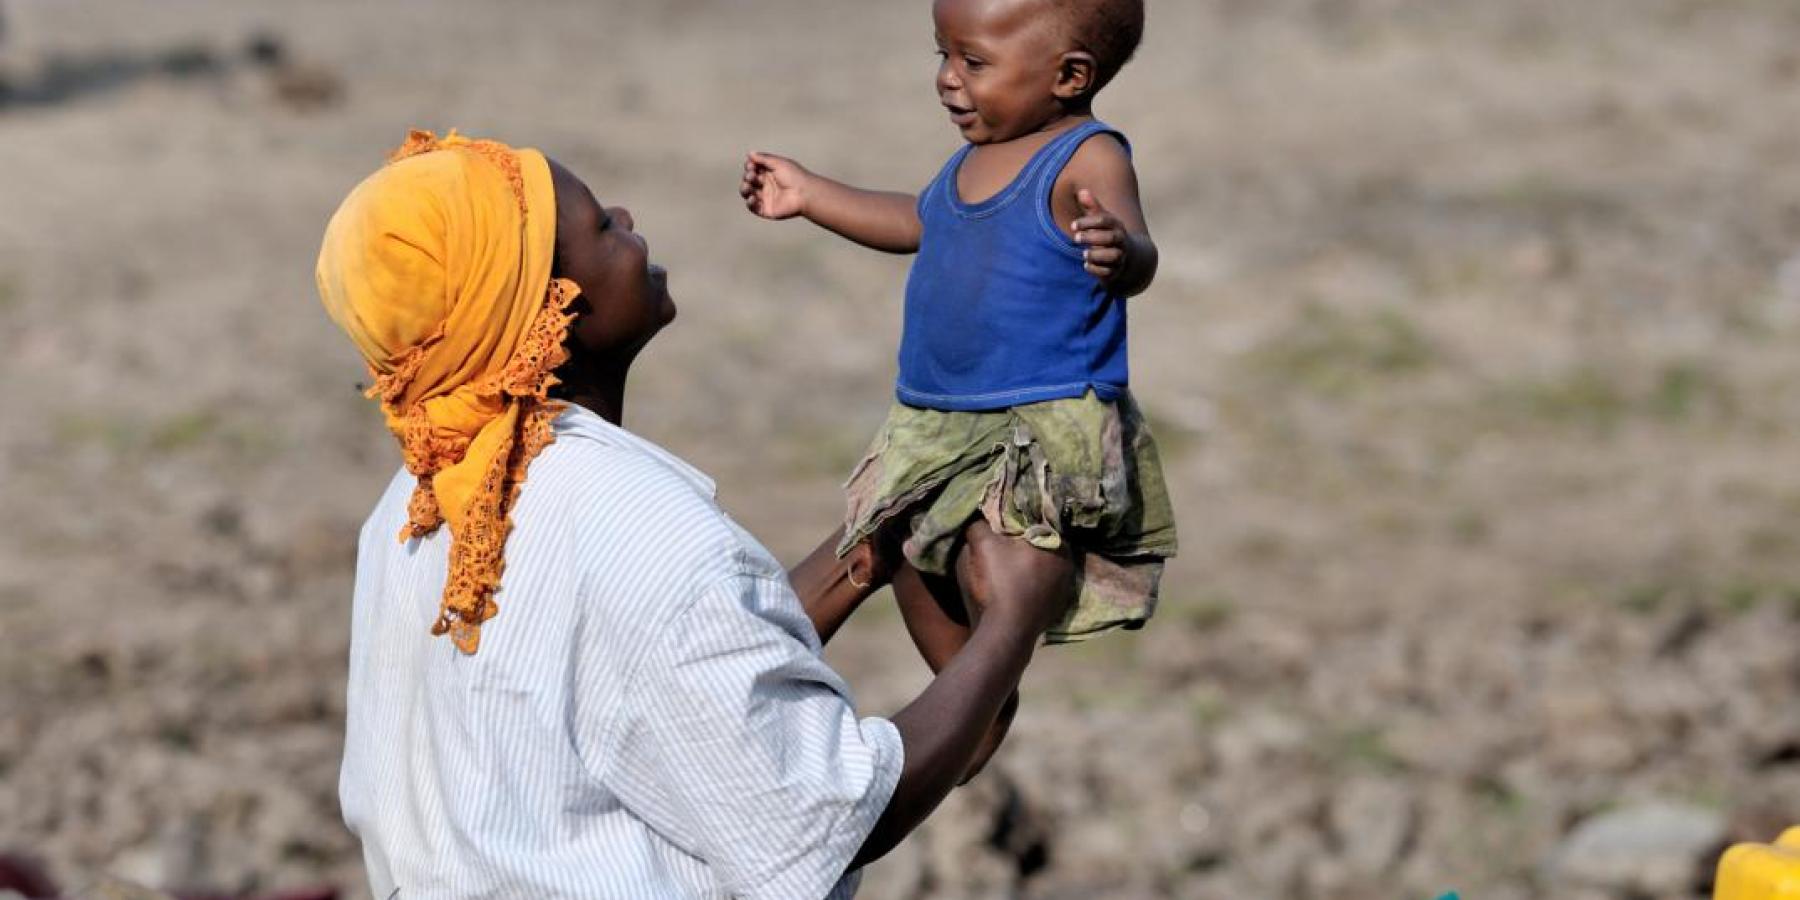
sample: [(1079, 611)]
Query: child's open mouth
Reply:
[(961, 118)]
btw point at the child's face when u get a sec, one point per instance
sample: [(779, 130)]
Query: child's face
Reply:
[(599, 249), (1001, 63)]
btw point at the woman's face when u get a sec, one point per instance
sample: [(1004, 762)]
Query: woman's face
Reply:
[(597, 248)]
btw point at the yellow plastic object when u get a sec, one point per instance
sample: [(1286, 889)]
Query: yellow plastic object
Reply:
[(1761, 871)]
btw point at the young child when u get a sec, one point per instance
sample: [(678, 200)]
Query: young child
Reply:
[(1015, 458)]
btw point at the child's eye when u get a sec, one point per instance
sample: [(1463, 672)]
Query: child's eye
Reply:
[(973, 63)]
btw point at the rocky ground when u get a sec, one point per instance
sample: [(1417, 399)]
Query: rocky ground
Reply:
[(1471, 358)]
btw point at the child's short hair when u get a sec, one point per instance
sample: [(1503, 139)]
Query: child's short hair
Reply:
[(1109, 29)]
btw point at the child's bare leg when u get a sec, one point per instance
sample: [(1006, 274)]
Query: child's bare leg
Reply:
[(991, 565), (933, 610)]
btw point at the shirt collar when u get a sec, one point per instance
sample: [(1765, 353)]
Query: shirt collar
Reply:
[(578, 419)]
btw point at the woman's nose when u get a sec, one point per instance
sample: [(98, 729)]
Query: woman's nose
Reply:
[(622, 216)]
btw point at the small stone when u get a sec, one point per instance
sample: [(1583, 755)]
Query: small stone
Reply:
[(110, 888), (1652, 848), (1371, 818)]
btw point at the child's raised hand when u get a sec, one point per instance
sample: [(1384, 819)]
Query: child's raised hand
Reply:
[(1105, 241), (774, 186)]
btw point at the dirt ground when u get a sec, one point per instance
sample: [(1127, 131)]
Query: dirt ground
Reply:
[(1471, 358)]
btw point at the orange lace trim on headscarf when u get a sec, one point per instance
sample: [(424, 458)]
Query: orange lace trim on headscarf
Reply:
[(476, 554), (477, 548)]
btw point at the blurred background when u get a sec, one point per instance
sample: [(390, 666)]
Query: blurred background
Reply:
[(1471, 358)]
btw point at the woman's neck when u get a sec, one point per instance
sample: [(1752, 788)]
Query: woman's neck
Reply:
[(608, 404), (596, 386)]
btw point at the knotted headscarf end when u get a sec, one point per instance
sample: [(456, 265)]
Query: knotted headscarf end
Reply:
[(438, 267)]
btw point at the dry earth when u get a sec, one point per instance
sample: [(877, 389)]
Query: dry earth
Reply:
[(1472, 357)]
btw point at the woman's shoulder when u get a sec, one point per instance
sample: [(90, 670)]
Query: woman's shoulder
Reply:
[(624, 495)]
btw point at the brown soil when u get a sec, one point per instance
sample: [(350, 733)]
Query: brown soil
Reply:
[(1471, 356)]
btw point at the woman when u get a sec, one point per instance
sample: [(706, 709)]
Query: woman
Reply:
[(638, 707)]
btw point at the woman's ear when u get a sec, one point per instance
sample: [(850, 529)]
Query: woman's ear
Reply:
[(1075, 74)]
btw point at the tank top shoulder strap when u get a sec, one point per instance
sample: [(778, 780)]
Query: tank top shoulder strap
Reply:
[(1055, 156)]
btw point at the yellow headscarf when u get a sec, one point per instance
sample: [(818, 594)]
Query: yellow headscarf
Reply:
[(438, 268)]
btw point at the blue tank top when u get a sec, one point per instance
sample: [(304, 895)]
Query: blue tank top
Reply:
[(999, 311)]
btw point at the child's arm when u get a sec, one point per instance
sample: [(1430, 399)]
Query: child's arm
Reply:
[(1097, 194), (776, 187)]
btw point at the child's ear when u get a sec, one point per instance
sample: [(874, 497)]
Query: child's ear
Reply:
[(1075, 74)]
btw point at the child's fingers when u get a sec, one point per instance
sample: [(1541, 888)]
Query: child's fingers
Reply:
[(1099, 237), (1089, 205), (767, 161), (1102, 256), (1101, 220)]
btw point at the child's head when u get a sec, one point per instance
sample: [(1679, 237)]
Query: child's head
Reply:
[(1010, 66)]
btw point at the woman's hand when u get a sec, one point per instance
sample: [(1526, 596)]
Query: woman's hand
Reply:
[(774, 187)]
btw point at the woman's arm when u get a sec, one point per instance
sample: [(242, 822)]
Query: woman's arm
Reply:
[(943, 728), (830, 589), (776, 187)]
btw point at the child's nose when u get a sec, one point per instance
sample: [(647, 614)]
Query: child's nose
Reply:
[(622, 216), (946, 77)]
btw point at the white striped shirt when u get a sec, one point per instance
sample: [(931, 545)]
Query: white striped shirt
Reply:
[(647, 717)]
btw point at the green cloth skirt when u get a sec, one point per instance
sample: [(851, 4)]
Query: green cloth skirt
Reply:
[(1080, 474)]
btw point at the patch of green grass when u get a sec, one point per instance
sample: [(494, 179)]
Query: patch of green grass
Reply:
[(1646, 598), (1734, 597), (1546, 201), (1334, 353), (1600, 399), (1207, 612), (1769, 541), (1208, 707), (81, 429), (181, 432), (1394, 522), (1741, 597), (1684, 388), (1362, 747), (1498, 796), (1586, 396), (1469, 526)]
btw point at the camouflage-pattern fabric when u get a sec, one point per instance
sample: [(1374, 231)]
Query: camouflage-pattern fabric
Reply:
[(1081, 473)]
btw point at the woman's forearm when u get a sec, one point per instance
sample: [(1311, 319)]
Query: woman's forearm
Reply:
[(829, 588), (944, 727)]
